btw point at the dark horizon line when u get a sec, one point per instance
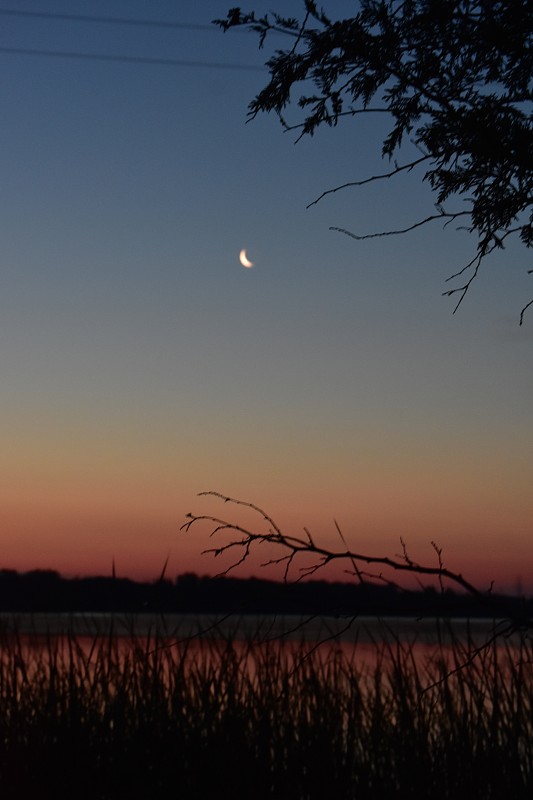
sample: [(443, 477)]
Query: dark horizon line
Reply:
[(41, 590), (308, 579)]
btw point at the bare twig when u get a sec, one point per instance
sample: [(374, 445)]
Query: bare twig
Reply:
[(449, 216), (239, 542), (524, 311), (242, 540), (372, 179), (471, 656)]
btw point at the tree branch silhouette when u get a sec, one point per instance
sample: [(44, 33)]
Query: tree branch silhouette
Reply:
[(455, 79), (239, 541)]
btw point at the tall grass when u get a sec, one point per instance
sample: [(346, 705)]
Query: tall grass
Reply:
[(115, 718)]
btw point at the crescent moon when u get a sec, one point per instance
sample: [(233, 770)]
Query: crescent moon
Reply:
[(244, 260)]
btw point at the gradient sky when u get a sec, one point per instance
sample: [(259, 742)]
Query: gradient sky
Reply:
[(142, 364)]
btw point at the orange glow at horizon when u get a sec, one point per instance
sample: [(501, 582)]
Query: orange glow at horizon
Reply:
[(81, 539)]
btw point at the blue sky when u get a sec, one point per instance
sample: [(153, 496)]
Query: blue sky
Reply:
[(142, 364)]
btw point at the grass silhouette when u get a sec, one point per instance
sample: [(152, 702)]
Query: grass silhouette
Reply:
[(113, 717)]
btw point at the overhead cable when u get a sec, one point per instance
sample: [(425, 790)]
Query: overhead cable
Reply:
[(149, 23), (170, 62)]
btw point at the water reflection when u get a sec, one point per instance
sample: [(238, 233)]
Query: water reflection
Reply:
[(434, 646)]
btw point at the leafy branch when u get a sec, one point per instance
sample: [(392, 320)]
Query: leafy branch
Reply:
[(455, 79)]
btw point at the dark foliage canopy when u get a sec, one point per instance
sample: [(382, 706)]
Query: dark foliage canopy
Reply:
[(456, 78)]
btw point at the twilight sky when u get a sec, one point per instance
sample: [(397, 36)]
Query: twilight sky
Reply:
[(141, 363)]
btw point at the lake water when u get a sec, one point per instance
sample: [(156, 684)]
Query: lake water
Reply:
[(204, 645), (264, 628)]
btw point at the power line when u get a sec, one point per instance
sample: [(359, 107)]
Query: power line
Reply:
[(170, 62), (151, 23)]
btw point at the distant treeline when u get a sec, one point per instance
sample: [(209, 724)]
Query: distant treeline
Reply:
[(47, 590)]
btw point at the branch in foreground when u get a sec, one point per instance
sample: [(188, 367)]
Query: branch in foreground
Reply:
[(239, 541), (372, 179), (449, 216), (485, 247), (455, 84)]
